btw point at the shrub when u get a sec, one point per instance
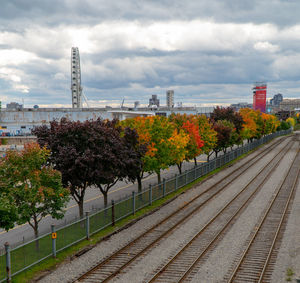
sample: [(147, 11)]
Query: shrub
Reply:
[(284, 126)]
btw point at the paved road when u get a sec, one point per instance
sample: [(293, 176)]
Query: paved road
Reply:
[(93, 202)]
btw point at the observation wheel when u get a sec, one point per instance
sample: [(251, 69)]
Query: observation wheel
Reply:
[(76, 88)]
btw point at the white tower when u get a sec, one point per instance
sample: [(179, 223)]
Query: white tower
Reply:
[(76, 79)]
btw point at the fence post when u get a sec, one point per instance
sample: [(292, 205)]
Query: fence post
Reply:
[(133, 202), (8, 263), (195, 168), (164, 187), (176, 182), (185, 177), (53, 236), (112, 212), (150, 194), (87, 224)]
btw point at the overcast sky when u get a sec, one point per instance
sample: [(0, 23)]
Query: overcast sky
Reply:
[(209, 52)]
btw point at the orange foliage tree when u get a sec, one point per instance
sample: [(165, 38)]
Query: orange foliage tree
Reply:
[(179, 150), (191, 128), (142, 126), (165, 144), (249, 130), (271, 123), (267, 124), (207, 133), (257, 124)]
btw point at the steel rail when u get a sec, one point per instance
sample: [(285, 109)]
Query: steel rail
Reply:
[(247, 165), (172, 261), (266, 214), (273, 244), (260, 280)]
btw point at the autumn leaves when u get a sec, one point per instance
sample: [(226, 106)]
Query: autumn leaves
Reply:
[(97, 154)]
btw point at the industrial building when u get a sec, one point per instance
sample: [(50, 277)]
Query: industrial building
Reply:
[(170, 98), (276, 100), (240, 105), (154, 101), (14, 106), (289, 104), (21, 121)]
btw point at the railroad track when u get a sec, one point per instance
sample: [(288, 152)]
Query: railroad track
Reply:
[(182, 266), (114, 264), (258, 259)]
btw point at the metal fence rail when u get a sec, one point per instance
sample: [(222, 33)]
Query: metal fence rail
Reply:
[(22, 257)]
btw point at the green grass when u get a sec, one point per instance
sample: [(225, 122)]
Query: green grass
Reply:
[(36, 250), (289, 274), (23, 256), (26, 255)]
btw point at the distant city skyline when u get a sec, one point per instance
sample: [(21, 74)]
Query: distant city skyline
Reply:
[(208, 52)]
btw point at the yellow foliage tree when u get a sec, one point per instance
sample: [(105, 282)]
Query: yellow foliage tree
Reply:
[(291, 121)]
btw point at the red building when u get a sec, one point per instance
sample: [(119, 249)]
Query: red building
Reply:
[(260, 96)]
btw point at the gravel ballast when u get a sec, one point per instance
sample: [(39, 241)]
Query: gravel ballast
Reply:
[(232, 245)]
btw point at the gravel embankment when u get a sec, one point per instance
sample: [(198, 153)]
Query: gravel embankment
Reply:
[(232, 245), (74, 268), (288, 256)]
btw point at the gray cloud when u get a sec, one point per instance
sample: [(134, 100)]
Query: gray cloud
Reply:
[(279, 12), (208, 51)]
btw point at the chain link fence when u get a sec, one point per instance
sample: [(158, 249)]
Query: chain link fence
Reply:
[(2, 266), (20, 258)]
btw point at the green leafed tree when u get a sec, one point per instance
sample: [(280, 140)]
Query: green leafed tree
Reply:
[(159, 155), (30, 190), (8, 211)]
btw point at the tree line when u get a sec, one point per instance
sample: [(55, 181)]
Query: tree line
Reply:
[(72, 157)]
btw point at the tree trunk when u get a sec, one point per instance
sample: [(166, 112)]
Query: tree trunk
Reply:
[(195, 160), (36, 235), (80, 207), (139, 180), (209, 154), (158, 177), (179, 167), (105, 198)]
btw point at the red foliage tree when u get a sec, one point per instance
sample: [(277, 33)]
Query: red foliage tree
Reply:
[(223, 136), (90, 153), (227, 113)]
